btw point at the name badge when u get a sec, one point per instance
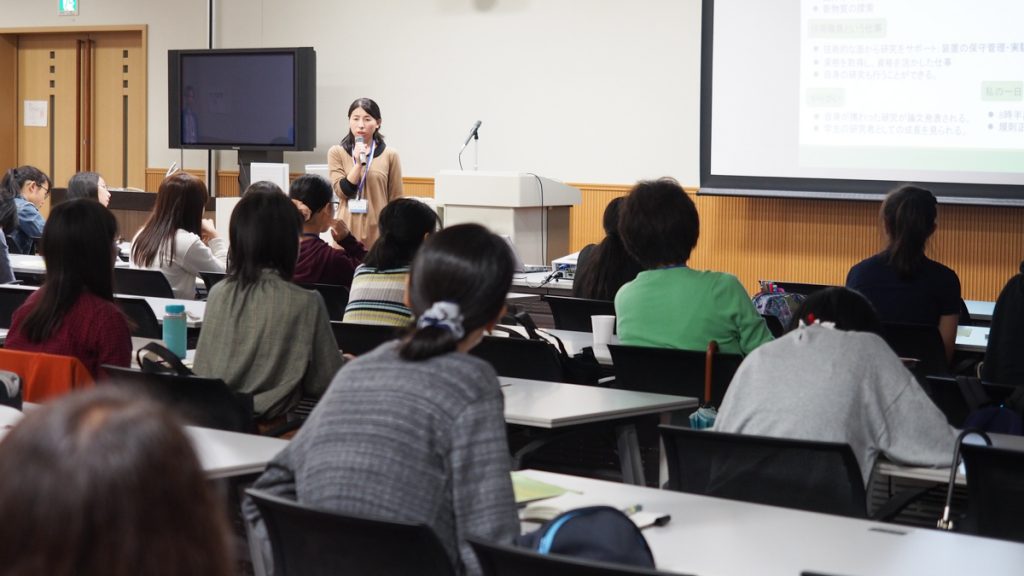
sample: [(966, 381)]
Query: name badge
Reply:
[(357, 206)]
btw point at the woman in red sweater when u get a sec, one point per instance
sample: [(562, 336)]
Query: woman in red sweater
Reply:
[(73, 313), (319, 262)]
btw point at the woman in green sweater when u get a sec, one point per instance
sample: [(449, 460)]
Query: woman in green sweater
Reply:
[(670, 305)]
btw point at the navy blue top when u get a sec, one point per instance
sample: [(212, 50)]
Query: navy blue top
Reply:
[(933, 291)]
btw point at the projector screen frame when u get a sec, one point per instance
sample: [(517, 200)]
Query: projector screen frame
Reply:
[(816, 188)]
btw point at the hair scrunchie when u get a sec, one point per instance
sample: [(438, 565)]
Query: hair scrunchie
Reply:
[(447, 315)]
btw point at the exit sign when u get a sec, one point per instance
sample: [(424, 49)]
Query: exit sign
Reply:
[(67, 7)]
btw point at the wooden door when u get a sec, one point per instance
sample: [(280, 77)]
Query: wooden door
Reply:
[(118, 122)]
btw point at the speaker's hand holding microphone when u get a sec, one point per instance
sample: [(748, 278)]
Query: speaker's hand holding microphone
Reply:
[(360, 149)]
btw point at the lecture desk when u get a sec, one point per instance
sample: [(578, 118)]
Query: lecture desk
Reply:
[(717, 537)]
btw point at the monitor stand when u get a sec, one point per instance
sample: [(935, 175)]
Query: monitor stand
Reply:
[(245, 160)]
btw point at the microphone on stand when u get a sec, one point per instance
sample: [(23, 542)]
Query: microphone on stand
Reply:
[(362, 155), (473, 133)]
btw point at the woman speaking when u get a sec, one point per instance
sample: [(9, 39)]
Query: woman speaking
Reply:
[(366, 174)]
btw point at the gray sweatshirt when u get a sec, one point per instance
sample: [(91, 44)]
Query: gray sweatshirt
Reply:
[(818, 383), (412, 441)]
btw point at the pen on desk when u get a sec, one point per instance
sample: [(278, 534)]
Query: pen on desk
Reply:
[(630, 510)]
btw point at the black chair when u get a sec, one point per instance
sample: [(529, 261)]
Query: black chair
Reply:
[(995, 491), (959, 398), (11, 299), (774, 325), (138, 282), (919, 342), (335, 298), (500, 560), (310, 542), (359, 339), (801, 474), (142, 316), (521, 358), (205, 402), (211, 278), (670, 371), (574, 313)]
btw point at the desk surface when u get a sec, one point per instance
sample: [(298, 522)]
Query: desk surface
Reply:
[(717, 537), (886, 468), (535, 281), (980, 309), (972, 338), (554, 405), (576, 341)]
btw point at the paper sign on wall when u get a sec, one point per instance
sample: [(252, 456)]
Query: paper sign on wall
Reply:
[(36, 112), (67, 7)]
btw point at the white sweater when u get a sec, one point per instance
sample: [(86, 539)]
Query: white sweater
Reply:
[(191, 257), (817, 383)]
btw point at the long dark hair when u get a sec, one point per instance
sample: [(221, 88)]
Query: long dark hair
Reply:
[(464, 265), (403, 224), (908, 214), (847, 308), (84, 185), (371, 108), (264, 234), (78, 249), (103, 483), (609, 266), (10, 188), (180, 203)]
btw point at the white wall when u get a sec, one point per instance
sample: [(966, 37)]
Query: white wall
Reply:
[(598, 91)]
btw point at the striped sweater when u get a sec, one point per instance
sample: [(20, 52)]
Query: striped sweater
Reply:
[(378, 297), (411, 441)]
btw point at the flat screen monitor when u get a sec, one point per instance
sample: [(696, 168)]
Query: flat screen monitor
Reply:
[(242, 99)]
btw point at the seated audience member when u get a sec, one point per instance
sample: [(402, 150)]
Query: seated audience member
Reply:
[(105, 484), (901, 282), (176, 239), (261, 333), (834, 379), (73, 313), (29, 187), (670, 305), (601, 269), (319, 263), (434, 410), (88, 185), (1004, 362), (377, 295)]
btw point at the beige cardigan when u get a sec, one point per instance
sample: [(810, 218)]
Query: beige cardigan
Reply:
[(383, 184)]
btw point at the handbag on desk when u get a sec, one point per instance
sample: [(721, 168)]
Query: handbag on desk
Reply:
[(155, 358), (704, 417)]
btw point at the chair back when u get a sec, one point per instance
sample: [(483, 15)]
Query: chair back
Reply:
[(802, 474), (335, 298), (920, 342), (139, 282), (211, 278), (995, 492), (671, 371), (45, 376), (11, 299), (206, 402), (502, 560), (359, 339), (957, 399), (574, 313), (145, 324), (521, 358), (311, 542)]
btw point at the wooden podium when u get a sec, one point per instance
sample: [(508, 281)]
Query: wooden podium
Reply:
[(532, 210)]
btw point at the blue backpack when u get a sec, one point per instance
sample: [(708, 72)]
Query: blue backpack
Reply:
[(600, 533)]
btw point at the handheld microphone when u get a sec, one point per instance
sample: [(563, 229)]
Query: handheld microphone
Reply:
[(472, 132), (362, 155)]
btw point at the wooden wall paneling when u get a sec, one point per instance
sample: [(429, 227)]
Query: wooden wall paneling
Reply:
[(418, 187), (8, 102), (154, 176), (119, 113)]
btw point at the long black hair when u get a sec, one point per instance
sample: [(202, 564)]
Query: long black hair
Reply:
[(78, 249), (10, 188), (371, 108), (264, 234), (608, 266), (403, 223), (465, 265), (908, 214)]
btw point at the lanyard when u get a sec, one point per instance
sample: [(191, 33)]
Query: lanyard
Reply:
[(366, 170)]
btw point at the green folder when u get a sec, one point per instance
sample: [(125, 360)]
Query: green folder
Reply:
[(529, 490)]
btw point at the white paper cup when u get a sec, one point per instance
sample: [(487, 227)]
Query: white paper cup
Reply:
[(603, 326)]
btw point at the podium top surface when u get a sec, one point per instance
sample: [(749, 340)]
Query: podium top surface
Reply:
[(502, 189)]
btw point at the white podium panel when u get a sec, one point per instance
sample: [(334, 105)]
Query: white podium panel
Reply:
[(533, 211)]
